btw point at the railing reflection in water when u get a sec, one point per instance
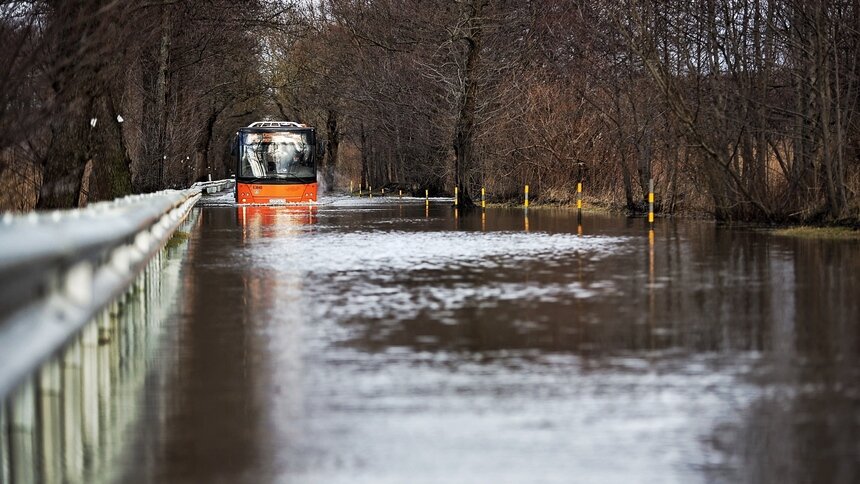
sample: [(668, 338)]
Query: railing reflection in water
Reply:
[(68, 420)]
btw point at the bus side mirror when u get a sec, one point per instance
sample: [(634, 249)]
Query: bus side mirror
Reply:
[(234, 145)]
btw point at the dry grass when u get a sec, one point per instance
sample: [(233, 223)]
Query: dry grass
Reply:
[(19, 184), (808, 232)]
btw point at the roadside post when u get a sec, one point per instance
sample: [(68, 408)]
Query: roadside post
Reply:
[(651, 203)]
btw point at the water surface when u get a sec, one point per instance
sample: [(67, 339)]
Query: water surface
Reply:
[(383, 342)]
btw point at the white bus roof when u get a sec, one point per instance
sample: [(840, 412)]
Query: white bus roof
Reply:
[(276, 124)]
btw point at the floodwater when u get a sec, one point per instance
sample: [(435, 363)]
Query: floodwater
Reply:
[(377, 341)]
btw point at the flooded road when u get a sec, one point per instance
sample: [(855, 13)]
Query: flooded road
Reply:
[(376, 342)]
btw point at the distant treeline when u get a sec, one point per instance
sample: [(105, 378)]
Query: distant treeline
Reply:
[(747, 110)]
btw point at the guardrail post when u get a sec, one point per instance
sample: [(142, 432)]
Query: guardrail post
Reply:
[(72, 412), (89, 387), (108, 373), (50, 400), (4, 444), (22, 433), (103, 324)]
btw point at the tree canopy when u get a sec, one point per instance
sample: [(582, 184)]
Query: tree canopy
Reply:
[(744, 109)]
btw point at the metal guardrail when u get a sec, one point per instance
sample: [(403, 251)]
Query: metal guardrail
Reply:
[(215, 186), (59, 269)]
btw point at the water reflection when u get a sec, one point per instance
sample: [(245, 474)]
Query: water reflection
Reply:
[(204, 435), (211, 415), (267, 221), (806, 418)]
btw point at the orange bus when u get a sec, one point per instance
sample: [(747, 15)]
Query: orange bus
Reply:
[(276, 163)]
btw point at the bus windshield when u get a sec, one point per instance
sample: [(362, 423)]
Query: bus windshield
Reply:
[(276, 156)]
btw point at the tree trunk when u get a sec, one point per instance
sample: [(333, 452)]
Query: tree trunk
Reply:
[(627, 180), (65, 165), (464, 131), (333, 144), (204, 147), (111, 176), (834, 184), (363, 178), (643, 163), (160, 141)]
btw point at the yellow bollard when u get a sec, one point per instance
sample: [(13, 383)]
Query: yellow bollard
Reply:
[(427, 198), (350, 187), (456, 195), (383, 192), (651, 202), (483, 198), (370, 191), (579, 196), (401, 193), (527, 197), (359, 190)]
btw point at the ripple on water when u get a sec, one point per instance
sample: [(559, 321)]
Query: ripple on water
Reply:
[(406, 251), (400, 275)]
